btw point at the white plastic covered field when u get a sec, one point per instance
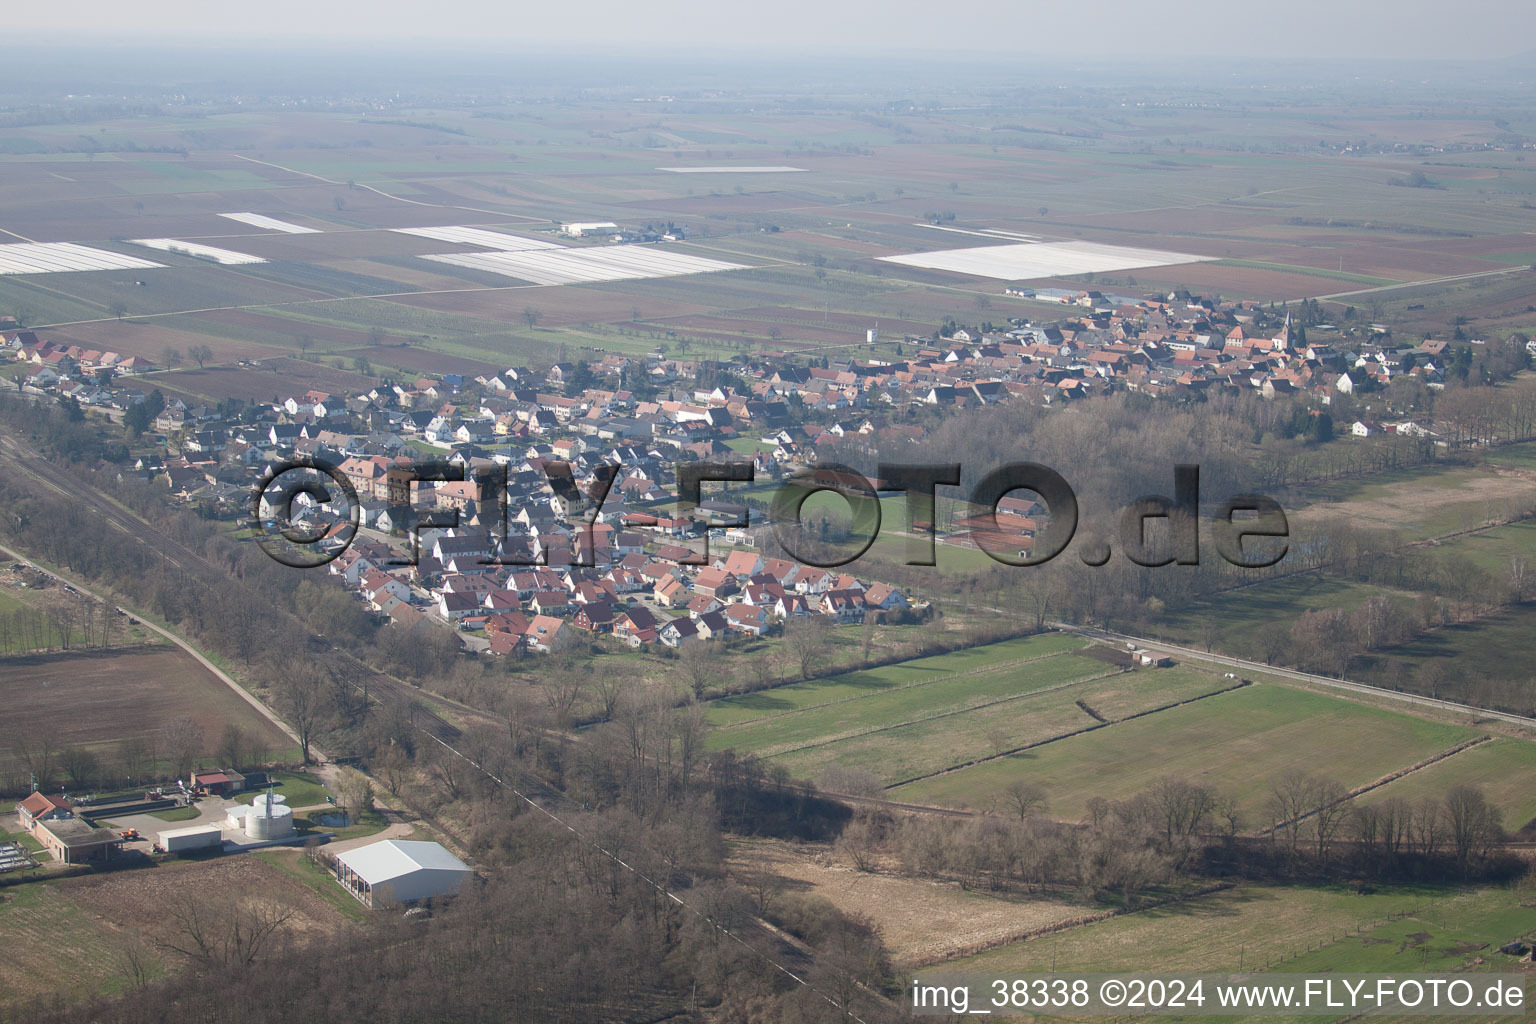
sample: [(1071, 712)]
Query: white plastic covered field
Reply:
[(1043, 259), (479, 236), (207, 252), (257, 220), (727, 169), (575, 266), (64, 257)]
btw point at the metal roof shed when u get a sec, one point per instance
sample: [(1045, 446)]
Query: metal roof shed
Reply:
[(400, 871)]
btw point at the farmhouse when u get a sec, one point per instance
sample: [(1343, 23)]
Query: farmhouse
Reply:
[(398, 871), (40, 807)]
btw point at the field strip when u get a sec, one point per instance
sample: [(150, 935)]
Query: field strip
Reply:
[(1420, 284), (1391, 777), (1057, 927), (1067, 735), (858, 733), (893, 689), (982, 232), (224, 257), (1294, 268), (386, 195), (256, 220), (1116, 639)]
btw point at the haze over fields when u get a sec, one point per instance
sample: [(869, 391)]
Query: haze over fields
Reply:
[(1480, 29)]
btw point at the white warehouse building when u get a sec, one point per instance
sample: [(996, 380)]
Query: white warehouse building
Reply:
[(596, 227), (400, 871)]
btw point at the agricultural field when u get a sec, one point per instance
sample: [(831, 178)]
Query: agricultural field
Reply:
[(49, 935), (584, 266), (820, 692), (920, 921), (1426, 501), (223, 257), (348, 206), (83, 926), (1236, 743), (818, 723), (1033, 260), (257, 220), (932, 717), (94, 699), (946, 742), (1237, 615), (1502, 767), (1281, 929), (63, 257), (1492, 647)]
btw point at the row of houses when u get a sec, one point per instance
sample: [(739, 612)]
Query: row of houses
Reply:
[(650, 593)]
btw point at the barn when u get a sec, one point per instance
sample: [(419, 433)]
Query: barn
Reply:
[(399, 871)]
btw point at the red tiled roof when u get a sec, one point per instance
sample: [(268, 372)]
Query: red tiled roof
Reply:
[(41, 803)]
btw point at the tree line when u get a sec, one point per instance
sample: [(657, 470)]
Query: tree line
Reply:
[(1177, 834)]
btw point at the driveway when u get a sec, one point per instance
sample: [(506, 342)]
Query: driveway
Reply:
[(210, 811)]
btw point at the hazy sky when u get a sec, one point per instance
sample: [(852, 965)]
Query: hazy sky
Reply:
[(1178, 29)]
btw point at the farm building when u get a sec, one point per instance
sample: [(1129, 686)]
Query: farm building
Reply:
[(400, 871), (75, 840), (193, 837), (224, 783), (42, 807), (597, 227)]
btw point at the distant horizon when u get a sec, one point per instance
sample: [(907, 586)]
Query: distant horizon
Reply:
[(443, 46), (1186, 33)]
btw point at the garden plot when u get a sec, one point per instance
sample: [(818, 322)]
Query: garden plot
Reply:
[(224, 257), (575, 266), (479, 236), (256, 220), (64, 257), (1042, 259)]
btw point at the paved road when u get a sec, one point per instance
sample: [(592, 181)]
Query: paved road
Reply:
[(1192, 654), (1420, 284)]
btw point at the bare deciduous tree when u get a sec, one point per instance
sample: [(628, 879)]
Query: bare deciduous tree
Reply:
[(226, 933), (232, 746), (697, 664), (302, 698), (182, 740), (807, 638), (1025, 798), (1473, 824), (390, 763)]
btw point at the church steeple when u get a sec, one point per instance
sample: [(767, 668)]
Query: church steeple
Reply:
[(1282, 341)]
